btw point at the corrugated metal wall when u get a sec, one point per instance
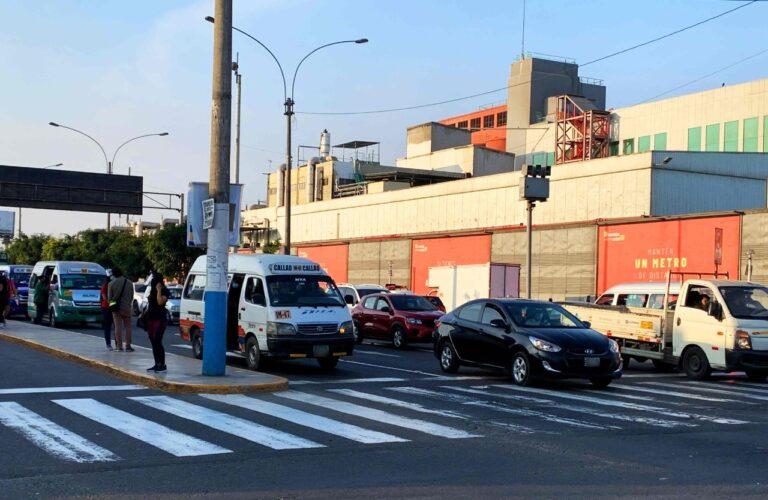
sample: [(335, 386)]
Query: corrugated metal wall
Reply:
[(563, 260), (754, 237), (372, 262)]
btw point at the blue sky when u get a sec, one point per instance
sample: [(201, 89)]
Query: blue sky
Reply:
[(117, 69)]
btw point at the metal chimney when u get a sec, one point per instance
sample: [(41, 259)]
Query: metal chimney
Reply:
[(325, 144)]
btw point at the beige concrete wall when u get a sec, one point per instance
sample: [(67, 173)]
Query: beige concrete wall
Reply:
[(380, 262), (384, 186), (429, 137), (473, 160), (754, 237)]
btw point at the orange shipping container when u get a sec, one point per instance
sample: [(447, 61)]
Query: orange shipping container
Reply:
[(332, 258), (456, 251), (645, 251)]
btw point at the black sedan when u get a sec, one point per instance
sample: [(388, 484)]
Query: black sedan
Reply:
[(527, 337)]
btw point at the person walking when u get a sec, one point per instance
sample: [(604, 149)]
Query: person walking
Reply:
[(120, 297), (42, 292), (5, 298), (106, 315), (156, 320)]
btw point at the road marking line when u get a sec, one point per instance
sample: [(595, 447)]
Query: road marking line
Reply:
[(377, 415), (659, 392), (398, 403), (348, 381), (742, 393), (501, 407), (260, 434), (738, 383), (183, 346), (652, 375), (373, 353), (51, 437), (621, 404), (85, 388), (154, 434), (305, 419), (390, 368)]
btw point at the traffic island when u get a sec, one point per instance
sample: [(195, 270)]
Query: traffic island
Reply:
[(183, 375)]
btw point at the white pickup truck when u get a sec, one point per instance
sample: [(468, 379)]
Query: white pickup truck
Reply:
[(714, 324)]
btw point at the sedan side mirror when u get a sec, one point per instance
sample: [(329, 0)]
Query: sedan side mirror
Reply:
[(587, 324), (349, 299), (501, 324)]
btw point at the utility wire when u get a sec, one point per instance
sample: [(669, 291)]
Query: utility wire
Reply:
[(479, 94)]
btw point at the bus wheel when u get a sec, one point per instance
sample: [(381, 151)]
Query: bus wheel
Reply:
[(197, 346), (328, 363), (252, 354)]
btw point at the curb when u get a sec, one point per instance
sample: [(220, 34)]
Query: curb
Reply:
[(280, 383)]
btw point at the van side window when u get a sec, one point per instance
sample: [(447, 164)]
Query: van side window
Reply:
[(195, 287), (632, 300), (656, 301), (605, 300), (254, 292)]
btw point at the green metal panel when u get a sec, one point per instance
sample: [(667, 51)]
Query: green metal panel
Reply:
[(750, 135), (731, 136), (644, 144), (660, 141), (694, 139), (713, 137), (629, 146), (765, 134), (539, 158), (551, 158), (613, 149)]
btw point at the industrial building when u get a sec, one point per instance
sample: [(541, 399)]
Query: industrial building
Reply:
[(634, 191)]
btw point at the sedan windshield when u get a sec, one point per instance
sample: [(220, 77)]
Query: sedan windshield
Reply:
[(82, 281), (411, 303), (746, 302), (541, 315), (298, 291)]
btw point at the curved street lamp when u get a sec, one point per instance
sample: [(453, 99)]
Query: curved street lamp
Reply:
[(288, 102)]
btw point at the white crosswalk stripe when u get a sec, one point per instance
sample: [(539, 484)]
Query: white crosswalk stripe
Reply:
[(377, 415), (154, 434), (736, 386), (733, 392), (306, 419), (51, 437), (677, 394), (272, 438), (399, 403)]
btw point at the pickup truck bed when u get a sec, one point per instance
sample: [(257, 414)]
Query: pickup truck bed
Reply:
[(628, 323)]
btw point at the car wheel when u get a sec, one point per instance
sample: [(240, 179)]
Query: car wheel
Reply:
[(252, 353), (696, 364), (328, 363), (358, 334), (449, 361), (399, 338), (601, 383), (52, 318), (197, 346), (521, 369), (757, 375)]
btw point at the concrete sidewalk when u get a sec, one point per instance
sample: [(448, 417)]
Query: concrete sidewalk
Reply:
[(183, 375)]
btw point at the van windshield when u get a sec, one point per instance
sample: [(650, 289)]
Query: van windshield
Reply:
[(301, 290), (746, 302), (21, 278), (82, 281)]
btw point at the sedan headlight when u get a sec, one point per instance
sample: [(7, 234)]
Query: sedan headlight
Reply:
[(275, 328), (543, 345), (614, 346), (347, 327), (742, 341), (413, 321)]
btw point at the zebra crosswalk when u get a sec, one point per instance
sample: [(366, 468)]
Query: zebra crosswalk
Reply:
[(83, 430)]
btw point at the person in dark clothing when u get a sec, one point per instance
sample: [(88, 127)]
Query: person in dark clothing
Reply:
[(156, 320), (42, 292), (106, 314), (5, 298)]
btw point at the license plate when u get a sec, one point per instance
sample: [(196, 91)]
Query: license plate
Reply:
[(321, 351), (591, 362)]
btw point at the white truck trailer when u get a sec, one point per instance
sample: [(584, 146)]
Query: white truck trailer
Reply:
[(715, 324)]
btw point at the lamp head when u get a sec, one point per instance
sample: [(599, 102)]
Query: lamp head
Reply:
[(362, 40), (53, 124), (163, 134), (209, 19)]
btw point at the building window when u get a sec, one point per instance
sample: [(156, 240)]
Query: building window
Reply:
[(694, 139), (474, 124), (613, 148), (750, 135), (488, 121), (462, 124), (644, 144), (660, 141), (501, 119), (712, 137), (731, 136), (629, 146)]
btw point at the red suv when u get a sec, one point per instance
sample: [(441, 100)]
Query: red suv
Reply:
[(401, 318)]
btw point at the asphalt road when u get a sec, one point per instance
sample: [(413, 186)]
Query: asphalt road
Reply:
[(386, 424)]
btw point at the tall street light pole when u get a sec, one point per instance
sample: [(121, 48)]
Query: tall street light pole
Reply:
[(106, 160), (288, 103)]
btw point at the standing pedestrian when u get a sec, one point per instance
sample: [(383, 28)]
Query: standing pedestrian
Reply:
[(120, 297), (106, 314), (5, 298), (42, 292), (156, 319)]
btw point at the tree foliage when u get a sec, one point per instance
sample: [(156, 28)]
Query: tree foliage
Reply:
[(27, 249), (168, 252)]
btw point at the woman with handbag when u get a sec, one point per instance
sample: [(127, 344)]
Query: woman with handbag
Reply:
[(120, 296), (156, 320)]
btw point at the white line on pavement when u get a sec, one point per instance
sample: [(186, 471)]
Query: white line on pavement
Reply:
[(733, 392), (374, 353), (348, 381), (398, 403), (659, 392), (390, 368), (85, 388)]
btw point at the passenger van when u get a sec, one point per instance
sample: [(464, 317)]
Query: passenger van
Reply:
[(75, 295), (20, 275), (647, 295), (278, 307)]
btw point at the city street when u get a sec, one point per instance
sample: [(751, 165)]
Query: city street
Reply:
[(387, 423)]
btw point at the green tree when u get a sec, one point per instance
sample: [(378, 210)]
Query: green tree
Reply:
[(128, 253), (27, 249), (95, 246), (169, 254), (66, 248)]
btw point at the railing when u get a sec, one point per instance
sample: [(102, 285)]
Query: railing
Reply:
[(351, 189), (590, 81)]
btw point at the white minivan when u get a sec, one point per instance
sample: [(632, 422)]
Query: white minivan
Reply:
[(279, 307), (648, 295)]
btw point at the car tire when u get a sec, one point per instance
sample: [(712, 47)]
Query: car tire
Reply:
[(601, 383), (52, 318), (197, 346), (520, 369), (757, 375), (252, 354), (399, 337), (449, 360), (329, 363), (695, 364), (358, 334)]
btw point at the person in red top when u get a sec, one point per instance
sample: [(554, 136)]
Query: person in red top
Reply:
[(106, 315)]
